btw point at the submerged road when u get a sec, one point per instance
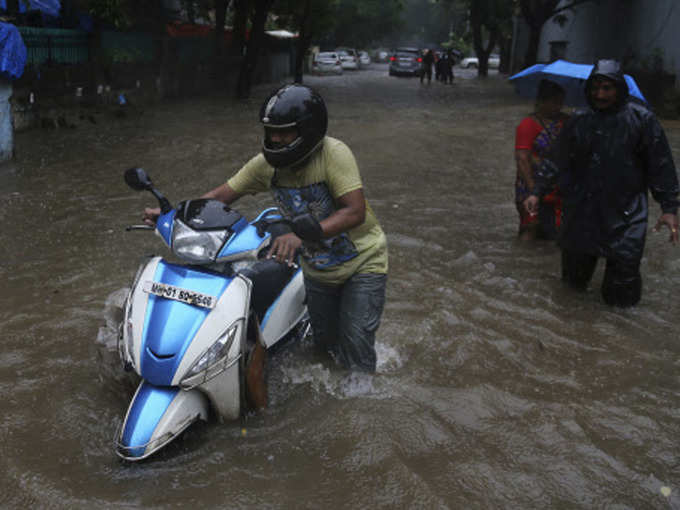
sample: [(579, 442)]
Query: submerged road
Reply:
[(496, 387)]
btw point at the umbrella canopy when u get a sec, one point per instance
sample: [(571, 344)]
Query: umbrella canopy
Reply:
[(572, 77), (12, 52)]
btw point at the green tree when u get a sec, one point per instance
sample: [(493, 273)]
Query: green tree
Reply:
[(360, 23), (118, 13), (427, 22), (488, 18), (311, 19), (356, 23), (255, 42)]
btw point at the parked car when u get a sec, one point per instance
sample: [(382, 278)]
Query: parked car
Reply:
[(494, 62), (364, 58), (349, 58), (406, 61), (327, 62)]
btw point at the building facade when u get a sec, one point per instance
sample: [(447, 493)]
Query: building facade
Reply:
[(642, 34)]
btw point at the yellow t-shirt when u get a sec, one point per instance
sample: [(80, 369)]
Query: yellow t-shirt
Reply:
[(330, 173)]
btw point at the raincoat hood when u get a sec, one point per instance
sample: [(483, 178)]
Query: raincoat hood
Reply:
[(610, 69)]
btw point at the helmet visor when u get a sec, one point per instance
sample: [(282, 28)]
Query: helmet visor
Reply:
[(278, 138)]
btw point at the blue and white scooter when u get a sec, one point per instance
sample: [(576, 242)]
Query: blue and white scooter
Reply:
[(189, 329)]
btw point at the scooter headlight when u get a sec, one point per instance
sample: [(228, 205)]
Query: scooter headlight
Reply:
[(213, 361), (200, 246)]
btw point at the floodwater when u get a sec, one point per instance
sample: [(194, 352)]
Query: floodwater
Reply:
[(496, 387)]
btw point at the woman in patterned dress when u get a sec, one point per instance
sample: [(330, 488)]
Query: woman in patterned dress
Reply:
[(534, 137)]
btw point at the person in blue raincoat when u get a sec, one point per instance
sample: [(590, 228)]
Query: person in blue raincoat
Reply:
[(605, 161)]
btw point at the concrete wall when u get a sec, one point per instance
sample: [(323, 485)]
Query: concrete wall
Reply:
[(655, 25), (590, 32)]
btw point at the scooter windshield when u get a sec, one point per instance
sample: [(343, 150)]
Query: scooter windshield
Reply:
[(206, 214), (201, 227)]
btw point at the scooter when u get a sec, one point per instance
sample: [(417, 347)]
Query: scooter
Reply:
[(197, 332)]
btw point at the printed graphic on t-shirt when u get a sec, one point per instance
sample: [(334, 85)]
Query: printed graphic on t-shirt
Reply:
[(317, 200)]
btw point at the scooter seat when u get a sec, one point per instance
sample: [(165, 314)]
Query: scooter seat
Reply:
[(269, 278)]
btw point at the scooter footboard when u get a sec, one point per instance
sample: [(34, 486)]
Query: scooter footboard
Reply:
[(156, 416)]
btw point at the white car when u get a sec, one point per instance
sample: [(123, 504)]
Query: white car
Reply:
[(364, 58), (327, 62), (349, 58), (494, 62)]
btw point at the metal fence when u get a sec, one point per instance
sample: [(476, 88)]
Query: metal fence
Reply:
[(61, 46), (54, 45)]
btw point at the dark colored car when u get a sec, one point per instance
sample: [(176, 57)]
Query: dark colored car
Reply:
[(406, 61)]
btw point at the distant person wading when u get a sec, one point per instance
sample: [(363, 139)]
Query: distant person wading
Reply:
[(428, 61)]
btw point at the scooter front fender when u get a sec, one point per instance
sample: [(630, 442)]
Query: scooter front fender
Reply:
[(156, 416)]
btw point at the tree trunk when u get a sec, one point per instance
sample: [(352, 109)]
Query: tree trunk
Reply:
[(220, 19), (304, 40), (191, 12), (238, 43), (505, 44), (97, 74), (531, 55), (255, 41), (166, 76), (481, 51)]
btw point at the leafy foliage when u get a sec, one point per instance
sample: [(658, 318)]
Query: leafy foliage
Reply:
[(356, 23), (360, 23), (116, 12)]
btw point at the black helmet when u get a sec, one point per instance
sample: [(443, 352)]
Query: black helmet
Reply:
[(294, 106)]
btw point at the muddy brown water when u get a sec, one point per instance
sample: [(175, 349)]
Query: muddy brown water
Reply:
[(496, 386)]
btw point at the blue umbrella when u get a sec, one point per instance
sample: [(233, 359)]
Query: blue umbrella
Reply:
[(572, 77)]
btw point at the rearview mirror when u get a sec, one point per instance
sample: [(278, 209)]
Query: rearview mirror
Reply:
[(137, 179)]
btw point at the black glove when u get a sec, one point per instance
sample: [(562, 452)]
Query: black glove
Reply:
[(306, 227)]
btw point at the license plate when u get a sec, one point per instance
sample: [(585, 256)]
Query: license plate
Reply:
[(178, 294)]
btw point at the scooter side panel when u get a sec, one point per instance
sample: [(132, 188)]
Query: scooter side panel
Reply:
[(170, 326), (224, 392), (156, 416), (285, 311), (247, 243), (145, 411), (135, 320), (244, 245), (164, 226)]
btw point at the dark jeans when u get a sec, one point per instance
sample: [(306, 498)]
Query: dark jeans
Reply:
[(345, 318), (426, 72), (622, 284)]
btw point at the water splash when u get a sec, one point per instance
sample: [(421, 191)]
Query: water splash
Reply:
[(107, 336)]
